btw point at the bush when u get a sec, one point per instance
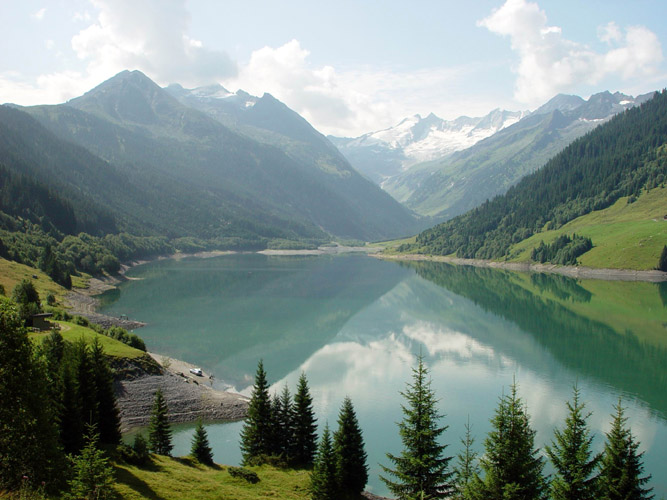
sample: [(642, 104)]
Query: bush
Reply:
[(243, 473)]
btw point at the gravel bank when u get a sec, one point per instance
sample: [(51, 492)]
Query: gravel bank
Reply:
[(188, 396)]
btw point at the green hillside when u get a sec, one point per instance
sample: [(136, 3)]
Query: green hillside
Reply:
[(459, 182), (625, 235), (623, 158)]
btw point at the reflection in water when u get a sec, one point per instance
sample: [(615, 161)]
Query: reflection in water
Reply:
[(587, 346), (355, 325)]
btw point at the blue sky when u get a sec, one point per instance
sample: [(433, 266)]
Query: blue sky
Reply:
[(348, 67)]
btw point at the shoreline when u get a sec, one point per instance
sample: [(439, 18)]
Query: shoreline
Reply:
[(579, 272), (189, 397)]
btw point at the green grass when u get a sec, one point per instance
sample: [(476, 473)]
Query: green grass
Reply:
[(176, 478), (11, 273), (72, 332), (391, 245), (625, 235)]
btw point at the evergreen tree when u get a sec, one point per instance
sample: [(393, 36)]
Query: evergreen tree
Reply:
[(274, 428), (159, 431), (621, 465), (256, 432), (28, 430), (421, 470), (323, 480), (285, 419), (27, 299), (108, 414), (512, 466), (305, 426), (662, 262), (93, 476), (86, 388), (71, 424), (201, 449), (466, 468), (140, 448), (570, 453), (351, 468)]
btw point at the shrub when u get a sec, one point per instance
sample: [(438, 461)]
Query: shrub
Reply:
[(243, 473)]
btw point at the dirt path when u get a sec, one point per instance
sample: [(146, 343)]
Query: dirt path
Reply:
[(570, 271)]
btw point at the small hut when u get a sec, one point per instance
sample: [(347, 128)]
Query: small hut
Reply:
[(40, 321)]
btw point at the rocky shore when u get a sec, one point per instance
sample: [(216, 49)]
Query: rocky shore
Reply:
[(188, 396)]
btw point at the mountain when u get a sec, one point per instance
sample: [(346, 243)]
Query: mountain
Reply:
[(463, 180), (383, 154), (194, 176), (625, 157), (268, 121)]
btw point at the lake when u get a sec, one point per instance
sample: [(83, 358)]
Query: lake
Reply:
[(354, 325)]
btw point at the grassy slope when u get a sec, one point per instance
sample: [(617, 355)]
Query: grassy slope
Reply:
[(72, 332), (625, 236), (176, 478), (11, 273)]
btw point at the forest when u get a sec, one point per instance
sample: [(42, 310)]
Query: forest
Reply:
[(620, 158)]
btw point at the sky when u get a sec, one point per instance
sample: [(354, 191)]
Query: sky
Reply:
[(350, 66)]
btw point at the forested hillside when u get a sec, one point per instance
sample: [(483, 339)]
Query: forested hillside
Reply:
[(620, 158)]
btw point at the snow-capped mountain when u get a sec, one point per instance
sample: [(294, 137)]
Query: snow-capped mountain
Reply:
[(385, 153), (456, 183)]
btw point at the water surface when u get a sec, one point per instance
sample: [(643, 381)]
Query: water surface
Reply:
[(354, 325)]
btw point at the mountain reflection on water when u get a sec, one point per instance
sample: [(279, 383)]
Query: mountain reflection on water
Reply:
[(354, 325)]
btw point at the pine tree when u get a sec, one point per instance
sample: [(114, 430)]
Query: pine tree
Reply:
[(466, 468), (351, 468), (621, 465), (159, 430), (324, 484), (93, 476), (85, 382), (285, 419), (421, 470), (256, 432), (71, 424), (274, 428), (108, 414), (305, 426), (512, 466), (28, 429), (201, 449), (570, 453)]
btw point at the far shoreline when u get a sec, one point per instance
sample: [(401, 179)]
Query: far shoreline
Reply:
[(577, 272)]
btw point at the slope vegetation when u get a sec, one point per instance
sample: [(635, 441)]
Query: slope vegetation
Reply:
[(457, 183), (621, 158)]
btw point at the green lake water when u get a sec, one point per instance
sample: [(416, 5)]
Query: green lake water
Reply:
[(353, 324)]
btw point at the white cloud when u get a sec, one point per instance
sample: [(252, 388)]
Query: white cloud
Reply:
[(39, 15), (352, 101), (151, 36), (550, 63), (148, 35)]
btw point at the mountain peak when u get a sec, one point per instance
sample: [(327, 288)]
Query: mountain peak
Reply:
[(128, 97)]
